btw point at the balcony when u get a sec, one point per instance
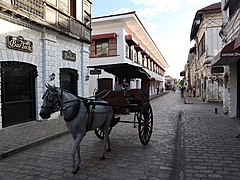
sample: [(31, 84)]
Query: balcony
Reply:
[(49, 15)]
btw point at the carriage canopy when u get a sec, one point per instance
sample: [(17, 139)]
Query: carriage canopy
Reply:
[(124, 70)]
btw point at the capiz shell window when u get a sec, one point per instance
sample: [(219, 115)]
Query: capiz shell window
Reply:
[(102, 46)]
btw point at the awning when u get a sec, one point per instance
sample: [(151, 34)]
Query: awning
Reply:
[(229, 54), (138, 47), (104, 36), (129, 39)]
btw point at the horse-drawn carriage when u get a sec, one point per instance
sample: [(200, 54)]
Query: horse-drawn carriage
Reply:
[(133, 100), (100, 113)]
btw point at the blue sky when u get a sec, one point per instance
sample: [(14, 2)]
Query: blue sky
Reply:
[(167, 21)]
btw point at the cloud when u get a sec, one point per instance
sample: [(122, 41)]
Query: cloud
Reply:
[(122, 10), (169, 24), (160, 6)]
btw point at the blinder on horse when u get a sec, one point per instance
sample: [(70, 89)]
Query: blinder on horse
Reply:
[(51, 100)]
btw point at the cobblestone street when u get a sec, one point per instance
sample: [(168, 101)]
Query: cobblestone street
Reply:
[(189, 141)]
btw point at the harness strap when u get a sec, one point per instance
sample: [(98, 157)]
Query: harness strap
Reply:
[(75, 111), (90, 119)]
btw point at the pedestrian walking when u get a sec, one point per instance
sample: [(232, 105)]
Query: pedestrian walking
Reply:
[(194, 91), (182, 91), (189, 90)]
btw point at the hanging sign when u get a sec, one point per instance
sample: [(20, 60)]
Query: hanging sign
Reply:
[(95, 72), (69, 55), (19, 43)]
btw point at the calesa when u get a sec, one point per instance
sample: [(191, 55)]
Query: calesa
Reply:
[(80, 116)]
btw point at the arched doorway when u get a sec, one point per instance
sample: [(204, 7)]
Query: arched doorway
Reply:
[(68, 80), (18, 92)]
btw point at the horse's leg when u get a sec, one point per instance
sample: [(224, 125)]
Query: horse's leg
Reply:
[(76, 149), (106, 141)]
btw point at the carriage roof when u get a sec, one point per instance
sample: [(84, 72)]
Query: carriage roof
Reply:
[(124, 70)]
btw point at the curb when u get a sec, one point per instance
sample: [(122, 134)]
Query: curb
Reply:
[(157, 95), (31, 145)]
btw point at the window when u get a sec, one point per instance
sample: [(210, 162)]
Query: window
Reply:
[(143, 60), (131, 53), (135, 57), (233, 6), (127, 50), (102, 47), (73, 8), (201, 46)]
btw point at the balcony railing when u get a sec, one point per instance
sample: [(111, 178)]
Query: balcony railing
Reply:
[(45, 13)]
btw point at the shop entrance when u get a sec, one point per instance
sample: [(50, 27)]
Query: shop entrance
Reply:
[(105, 83), (18, 92), (68, 80)]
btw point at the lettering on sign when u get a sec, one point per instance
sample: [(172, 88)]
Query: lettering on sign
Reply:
[(233, 54), (95, 72), (19, 43), (216, 70), (69, 55)]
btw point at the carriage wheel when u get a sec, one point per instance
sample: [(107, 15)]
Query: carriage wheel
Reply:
[(145, 123), (99, 132)]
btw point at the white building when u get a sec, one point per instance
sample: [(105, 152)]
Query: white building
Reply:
[(122, 38), (205, 32), (229, 56), (41, 41)]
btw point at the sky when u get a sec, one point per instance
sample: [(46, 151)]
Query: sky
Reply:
[(168, 22)]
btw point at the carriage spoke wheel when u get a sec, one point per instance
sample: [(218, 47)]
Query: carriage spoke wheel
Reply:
[(100, 134), (145, 123)]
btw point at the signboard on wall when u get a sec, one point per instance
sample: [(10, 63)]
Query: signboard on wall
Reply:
[(69, 55), (19, 43), (217, 70)]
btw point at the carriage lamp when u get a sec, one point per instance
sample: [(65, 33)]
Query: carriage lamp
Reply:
[(52, 77), (87, 77)]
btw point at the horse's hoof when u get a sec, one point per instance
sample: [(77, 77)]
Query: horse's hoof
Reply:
[(108, 150), (74, 171), (102, 158)]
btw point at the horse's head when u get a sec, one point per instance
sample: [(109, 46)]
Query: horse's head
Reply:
[(50, 102)]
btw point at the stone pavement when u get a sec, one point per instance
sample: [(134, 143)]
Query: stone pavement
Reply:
[(17, 138), (208, 147)]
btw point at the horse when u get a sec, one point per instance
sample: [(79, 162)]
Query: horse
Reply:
[(81, 116)]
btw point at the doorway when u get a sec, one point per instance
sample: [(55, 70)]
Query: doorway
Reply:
[(18, 92), (68, 80)]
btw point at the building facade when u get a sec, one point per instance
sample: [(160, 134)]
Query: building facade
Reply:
[(122, 38), (207, 80), (41, 42), (229, 55)]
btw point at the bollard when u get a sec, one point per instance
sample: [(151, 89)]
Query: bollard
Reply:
[(216, 110)]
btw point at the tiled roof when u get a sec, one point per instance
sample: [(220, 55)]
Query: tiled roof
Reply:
[(212, 7)]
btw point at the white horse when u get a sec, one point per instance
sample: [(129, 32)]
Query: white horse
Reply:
[(80, 116)]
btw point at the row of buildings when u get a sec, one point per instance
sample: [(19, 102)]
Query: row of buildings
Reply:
[(213, 62), (56, 41)]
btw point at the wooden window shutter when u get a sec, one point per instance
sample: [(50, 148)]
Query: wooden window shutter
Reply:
[(63, 5)]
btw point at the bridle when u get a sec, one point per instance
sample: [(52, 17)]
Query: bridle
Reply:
[(57, 105), (49, 95)]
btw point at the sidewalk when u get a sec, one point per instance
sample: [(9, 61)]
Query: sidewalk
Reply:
[(208, 146), (17, 138)]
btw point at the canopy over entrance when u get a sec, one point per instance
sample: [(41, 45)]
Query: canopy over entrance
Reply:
[(229, 54)]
